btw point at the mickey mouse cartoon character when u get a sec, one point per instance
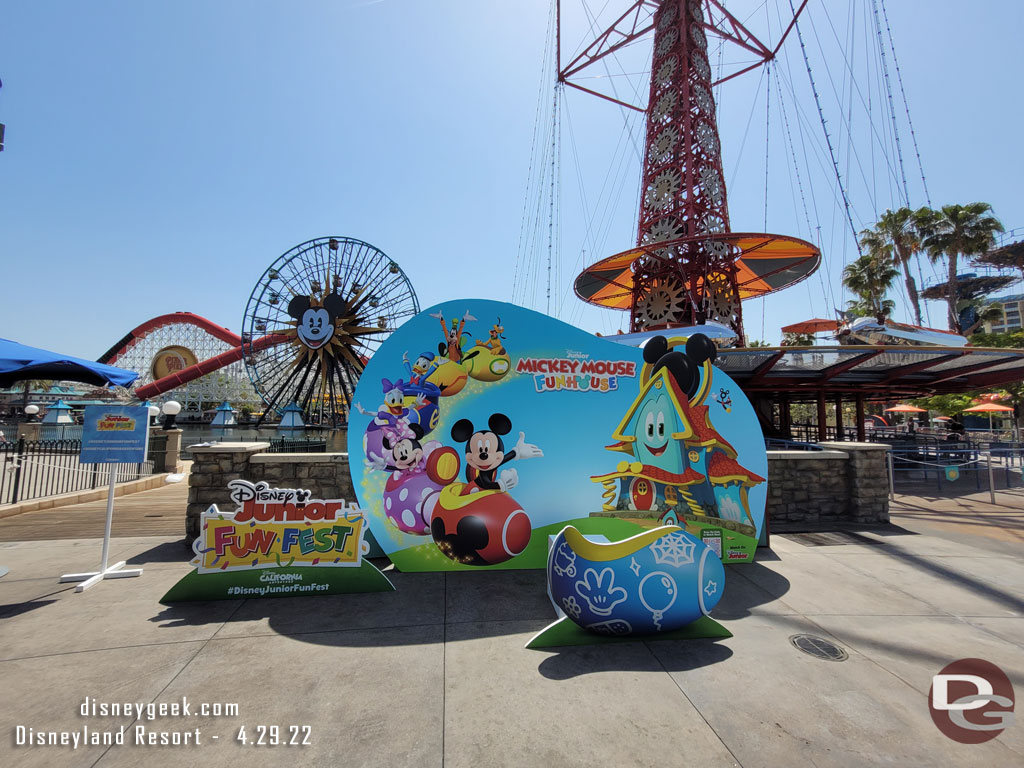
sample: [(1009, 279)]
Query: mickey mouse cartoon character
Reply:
[(478, 522), (315, 324), (485, 452)]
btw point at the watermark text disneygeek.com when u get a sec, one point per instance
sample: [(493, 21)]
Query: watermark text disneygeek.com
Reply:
[(136, 734)]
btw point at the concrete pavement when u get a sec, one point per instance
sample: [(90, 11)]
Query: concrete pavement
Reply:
[(435, 673)]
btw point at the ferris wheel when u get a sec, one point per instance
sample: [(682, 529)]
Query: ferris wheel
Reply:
[(315, 318)]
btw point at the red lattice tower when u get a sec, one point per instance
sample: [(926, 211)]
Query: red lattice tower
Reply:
[(689, 267), (683, 193)]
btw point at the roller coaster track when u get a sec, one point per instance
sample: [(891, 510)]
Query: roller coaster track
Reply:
[(192, 372)]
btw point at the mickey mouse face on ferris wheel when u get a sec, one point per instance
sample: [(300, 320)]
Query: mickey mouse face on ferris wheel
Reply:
[(316, 324)]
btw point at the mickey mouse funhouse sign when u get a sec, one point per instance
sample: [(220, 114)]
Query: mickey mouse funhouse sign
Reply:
[(480, 429), (279, 542)]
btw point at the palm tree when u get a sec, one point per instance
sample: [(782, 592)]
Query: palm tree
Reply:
[(896, 233), (33, 385), (954, 231), (870, 277)]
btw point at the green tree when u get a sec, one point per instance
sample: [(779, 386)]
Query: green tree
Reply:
[(870, 277), (798, 339), (986, 313), (896, 235), (1010, 339), (947, 405), (34, 385), (954, 231)]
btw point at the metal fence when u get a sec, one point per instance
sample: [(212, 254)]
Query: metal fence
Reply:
[(954, 463), (34, 469), (778, 444), (287, 445)]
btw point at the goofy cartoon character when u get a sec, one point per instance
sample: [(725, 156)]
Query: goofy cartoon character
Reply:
[(451, 347)]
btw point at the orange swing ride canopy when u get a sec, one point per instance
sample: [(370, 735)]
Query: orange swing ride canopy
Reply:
[(765, 263)]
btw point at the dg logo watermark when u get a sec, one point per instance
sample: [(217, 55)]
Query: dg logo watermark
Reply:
[(971, 701)]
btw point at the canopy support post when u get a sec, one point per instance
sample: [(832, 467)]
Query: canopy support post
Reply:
[(861, 436)]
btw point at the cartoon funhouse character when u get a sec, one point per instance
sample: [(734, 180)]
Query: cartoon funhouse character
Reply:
[(682, 468)]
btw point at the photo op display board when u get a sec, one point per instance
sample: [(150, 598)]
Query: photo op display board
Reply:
[(114, 434), (279, 542), (481, 428)]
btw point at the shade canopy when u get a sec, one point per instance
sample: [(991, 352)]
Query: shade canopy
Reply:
[(764, 263), (814, 325), (988, 408), (942, 418), (905, 408), (19, 362)]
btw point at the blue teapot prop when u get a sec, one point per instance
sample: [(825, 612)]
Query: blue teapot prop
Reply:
[(657, 581)]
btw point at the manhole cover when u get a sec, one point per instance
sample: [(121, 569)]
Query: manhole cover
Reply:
[(819, 647)]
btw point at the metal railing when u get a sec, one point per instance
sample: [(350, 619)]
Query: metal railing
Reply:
[(34, 469), (951, 462), (288, 445), (778, 444)]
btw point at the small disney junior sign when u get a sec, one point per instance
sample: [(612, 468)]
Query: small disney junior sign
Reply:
[(280, 537), (272, 527)]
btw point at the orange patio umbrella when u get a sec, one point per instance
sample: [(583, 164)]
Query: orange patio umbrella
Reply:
[(906, 408), (814, 325), (988, 408)]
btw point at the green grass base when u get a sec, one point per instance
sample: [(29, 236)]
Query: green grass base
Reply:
[(427, 557), (336, 581), (565, 632)]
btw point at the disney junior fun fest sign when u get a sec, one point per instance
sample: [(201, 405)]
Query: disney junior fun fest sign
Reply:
[(272, 527), (279, 542)]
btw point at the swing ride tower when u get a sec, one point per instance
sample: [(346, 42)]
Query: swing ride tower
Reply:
[(688, 267)]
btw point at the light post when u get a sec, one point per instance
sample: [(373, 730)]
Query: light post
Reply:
[(170, 410), (31, 413), (154, 411)]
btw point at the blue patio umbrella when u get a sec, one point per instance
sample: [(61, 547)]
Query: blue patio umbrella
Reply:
[(19, 362)]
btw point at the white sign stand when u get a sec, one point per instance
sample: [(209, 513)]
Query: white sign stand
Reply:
[(114, 571)]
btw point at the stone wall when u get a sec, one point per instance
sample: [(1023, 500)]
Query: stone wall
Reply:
[(844, 484), (325, 474)]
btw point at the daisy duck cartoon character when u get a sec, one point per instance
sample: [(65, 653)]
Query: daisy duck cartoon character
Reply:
[(388, 415)]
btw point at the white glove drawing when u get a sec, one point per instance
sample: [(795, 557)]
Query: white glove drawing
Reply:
[(362, 410), (525, 450), (467, 318), (508, 479), (438, 315), (373, 461)]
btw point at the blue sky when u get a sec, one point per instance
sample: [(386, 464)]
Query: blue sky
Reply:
[(159, 156)]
